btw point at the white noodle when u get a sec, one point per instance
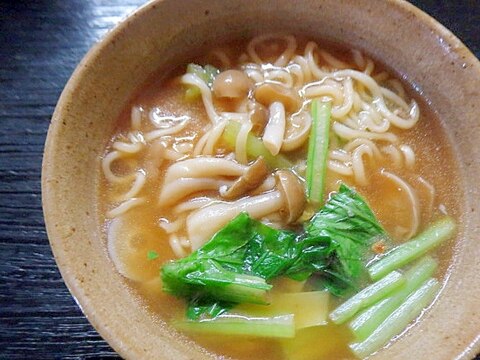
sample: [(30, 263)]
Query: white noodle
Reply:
[(340, 155), (200, 145), (394, 154), (192, 204), (194, 80), (140, 178), (284, 57), (297, 138), (341, 111), (412, 197), (203, 223), (125, 206), (358, 165), (107, 165), (183, 148), (431, 193), (348, 133), (155, 134), (409, 156), (203, 167), (241, 143), (180, 188), (267, 185), (333, 61), (350, 146), (214, 136), (358, 59), (127, 148), (171, 227), (176, 245), (223, 57), (312, 63), (136, 117), (340, 168)]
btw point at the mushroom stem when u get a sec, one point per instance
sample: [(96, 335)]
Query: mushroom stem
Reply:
[(252, 178), (275, 129)]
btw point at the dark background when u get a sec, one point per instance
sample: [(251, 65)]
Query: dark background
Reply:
[(41, 42)]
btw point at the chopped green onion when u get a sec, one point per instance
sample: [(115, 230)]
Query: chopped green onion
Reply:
[(398, 320), (368, 296), (318, 151), (364, 324), (255, 147), (413, 249), (152, 255), (281, 326)]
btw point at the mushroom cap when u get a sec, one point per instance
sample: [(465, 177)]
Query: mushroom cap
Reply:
[(253, 176), (231, 84), (268, 93), (293, 193)]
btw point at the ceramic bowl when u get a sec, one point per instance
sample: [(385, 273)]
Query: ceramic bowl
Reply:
[(165, 32)]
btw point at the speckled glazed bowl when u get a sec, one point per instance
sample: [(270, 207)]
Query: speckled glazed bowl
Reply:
[(162, 32)]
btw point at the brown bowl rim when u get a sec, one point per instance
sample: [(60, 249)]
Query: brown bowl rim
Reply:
[(95, 51)]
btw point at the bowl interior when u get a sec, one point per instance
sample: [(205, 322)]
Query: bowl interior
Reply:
[(167, 32)]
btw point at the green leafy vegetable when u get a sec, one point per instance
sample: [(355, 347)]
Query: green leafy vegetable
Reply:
[(231, 267), (349, 227), (234, 265), (152, 255), (255, 147), (318, 151), (206, 309), (207, 73)]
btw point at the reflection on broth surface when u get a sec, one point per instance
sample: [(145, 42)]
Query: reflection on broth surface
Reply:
[(234, 134)]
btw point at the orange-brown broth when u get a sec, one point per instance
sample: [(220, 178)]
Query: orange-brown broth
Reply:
[(434, 163)]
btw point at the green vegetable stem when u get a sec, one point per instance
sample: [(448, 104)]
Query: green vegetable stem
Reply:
[(365, 323), (318, 152), (366, 297), (398, 320), (403, 254), (281, 326), (255, 147)]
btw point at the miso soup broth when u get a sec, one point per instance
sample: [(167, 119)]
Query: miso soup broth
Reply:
[(230, 133)]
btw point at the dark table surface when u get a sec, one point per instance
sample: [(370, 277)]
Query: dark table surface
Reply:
[(41, 41)]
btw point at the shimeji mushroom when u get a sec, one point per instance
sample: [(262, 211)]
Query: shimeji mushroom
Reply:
[(258, 115), (268, 93), (288, 199), (293, 194), (232, 84), (253, 177)]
